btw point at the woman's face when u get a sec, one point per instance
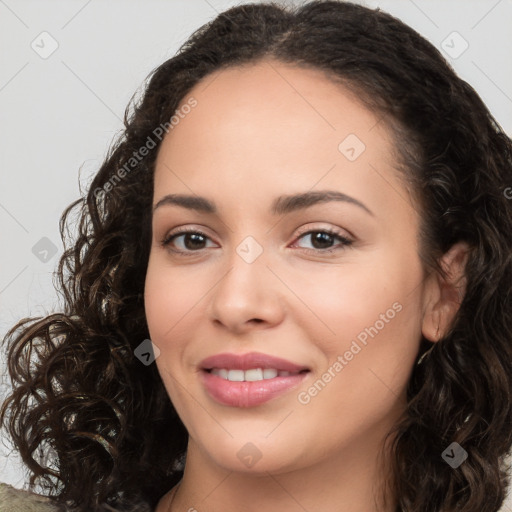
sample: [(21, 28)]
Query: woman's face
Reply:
[(302, 246)]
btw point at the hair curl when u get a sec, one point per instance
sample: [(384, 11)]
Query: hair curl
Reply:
[(79, 391)]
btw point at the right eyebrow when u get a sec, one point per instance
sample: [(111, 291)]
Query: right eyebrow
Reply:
[(198, 203)]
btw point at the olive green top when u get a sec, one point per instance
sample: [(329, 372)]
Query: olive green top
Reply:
[(15, 500)]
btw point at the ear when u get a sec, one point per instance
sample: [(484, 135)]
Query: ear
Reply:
[(444, 295)]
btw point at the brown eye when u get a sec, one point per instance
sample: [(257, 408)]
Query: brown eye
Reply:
[(323, 240), (186, 241), (193, 241)]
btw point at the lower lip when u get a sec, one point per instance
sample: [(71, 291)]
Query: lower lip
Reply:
[(248, 394)]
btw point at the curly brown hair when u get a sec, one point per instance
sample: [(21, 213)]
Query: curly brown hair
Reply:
[(78, 390)]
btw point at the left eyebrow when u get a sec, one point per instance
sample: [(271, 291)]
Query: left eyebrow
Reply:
[(286, 204), (281, 206)]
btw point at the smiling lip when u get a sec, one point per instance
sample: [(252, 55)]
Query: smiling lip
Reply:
[(244, 393)]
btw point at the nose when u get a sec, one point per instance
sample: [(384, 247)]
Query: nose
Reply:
[(247, 297)]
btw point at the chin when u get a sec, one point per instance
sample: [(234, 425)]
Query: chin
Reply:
[(257, 457)]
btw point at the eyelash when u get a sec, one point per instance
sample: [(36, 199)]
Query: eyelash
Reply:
[(345, 242)]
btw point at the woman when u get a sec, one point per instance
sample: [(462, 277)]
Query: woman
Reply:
[(290, 288)]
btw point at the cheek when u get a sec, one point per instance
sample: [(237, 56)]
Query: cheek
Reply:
[(346, 300), (368, 365), (370, 317), (169, 300), (170, 296)]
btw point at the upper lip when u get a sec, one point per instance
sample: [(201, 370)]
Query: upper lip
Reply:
[(250, 360)]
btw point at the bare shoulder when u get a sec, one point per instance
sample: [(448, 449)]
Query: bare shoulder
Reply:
[(15, 500)]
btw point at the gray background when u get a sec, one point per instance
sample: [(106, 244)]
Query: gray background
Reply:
[(59, 112)]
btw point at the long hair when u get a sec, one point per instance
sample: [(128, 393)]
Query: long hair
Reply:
[(79, 393)]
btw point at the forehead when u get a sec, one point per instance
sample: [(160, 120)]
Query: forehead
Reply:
[(272, 124), (274, 95)]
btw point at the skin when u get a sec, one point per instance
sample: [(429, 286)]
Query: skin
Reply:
[(259, 132)]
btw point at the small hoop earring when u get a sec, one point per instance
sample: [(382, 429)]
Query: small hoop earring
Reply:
[(425, 354)]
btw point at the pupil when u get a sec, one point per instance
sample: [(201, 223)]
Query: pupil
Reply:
[(322, 240), (196, 240)]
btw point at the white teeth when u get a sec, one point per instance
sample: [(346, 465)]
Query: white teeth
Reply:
[(252, 375), (236, 375), (269, 373)]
